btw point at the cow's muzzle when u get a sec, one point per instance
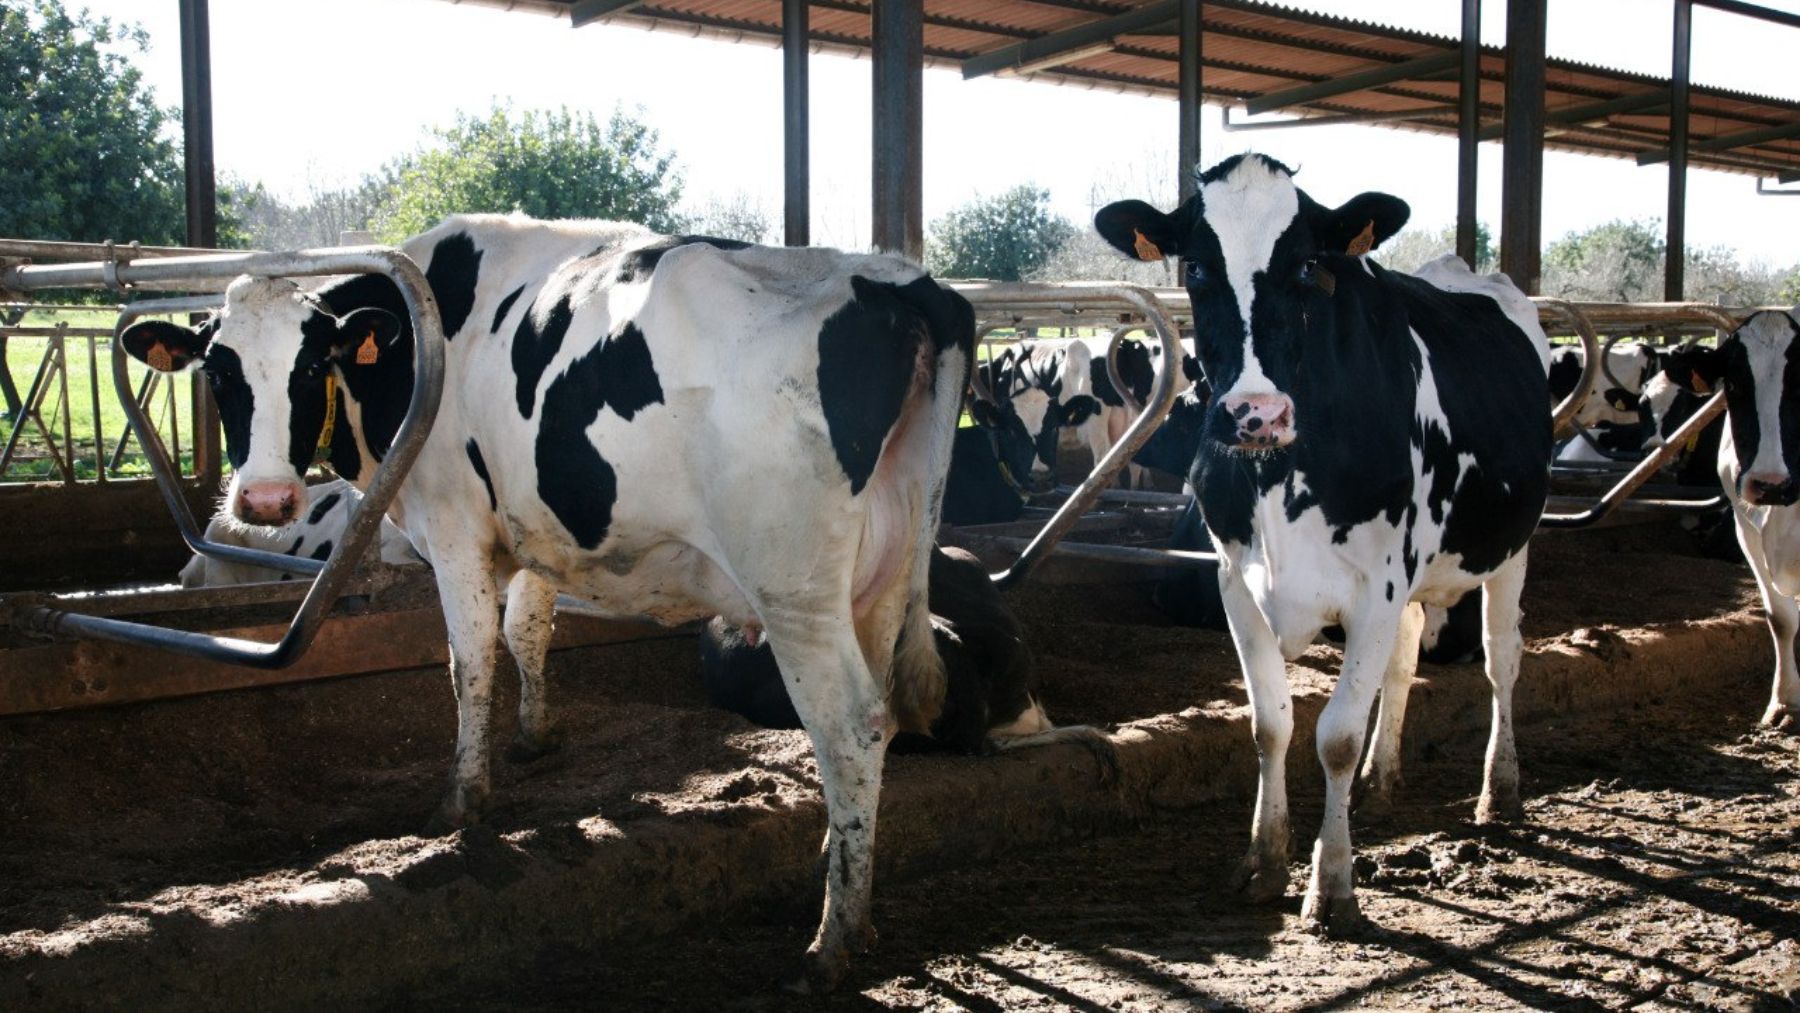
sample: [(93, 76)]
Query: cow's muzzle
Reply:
[(273, 504), (1763, 488), (1259, 421)]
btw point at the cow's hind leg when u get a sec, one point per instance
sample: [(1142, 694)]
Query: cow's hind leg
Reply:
[(1504, 645), (1264, 872), (1330, 904), (1381, 768), (1784, 620), (472, 616), (530, 621), (842, 706)]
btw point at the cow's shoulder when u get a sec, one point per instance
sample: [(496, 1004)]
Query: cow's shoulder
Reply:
[(1482, 302)]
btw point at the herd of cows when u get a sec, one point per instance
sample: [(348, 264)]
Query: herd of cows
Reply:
[(688, 429)]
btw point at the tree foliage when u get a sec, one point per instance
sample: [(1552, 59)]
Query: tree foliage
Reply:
[(549, 164), (1003, 238), (86, 151), (739, 216), (1622, 261), (319, 219), (1413, 248)]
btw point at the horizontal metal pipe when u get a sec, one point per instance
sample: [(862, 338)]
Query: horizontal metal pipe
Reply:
[(1179, 559), (52, 249)]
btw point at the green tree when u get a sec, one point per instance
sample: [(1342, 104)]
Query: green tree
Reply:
[(1619, 261), (1413, 248), (550, 164), (85, 152), (1002, 238)]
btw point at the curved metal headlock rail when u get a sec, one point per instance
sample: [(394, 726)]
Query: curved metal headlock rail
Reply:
[(188, 272), (990, 298), (1648, 314)]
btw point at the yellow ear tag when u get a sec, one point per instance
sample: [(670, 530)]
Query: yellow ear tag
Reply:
[(159, 358), (1146, 250), (1364, 241), (323, 450), (367, 353), (1700, 385)]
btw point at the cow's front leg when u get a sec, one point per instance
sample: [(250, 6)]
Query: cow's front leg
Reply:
[(472, 616), (1505, 646), (530, 622), (1381, 768), (840, 703), (1784, 620), (1264, 872), (1330, 905)]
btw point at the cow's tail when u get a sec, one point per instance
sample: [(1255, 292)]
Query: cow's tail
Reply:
[(917, 683)]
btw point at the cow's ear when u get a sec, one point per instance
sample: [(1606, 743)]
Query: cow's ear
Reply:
[(1190, 368), (166, 347), (1138, 230), (366, 335), (1364, 222), (1695, 368), (1079, 409)]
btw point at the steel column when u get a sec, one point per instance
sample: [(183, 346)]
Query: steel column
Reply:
[(196, 124), (1468, 129), (797, 144), (898, 44), (1675, 254), (1522, 176), (1188, 102)]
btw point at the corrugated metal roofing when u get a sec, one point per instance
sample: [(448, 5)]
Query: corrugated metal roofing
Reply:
[(1251, 49)]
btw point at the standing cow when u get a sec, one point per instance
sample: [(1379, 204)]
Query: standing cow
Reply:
[(1376, 439), (1759, 457), (671, 428)]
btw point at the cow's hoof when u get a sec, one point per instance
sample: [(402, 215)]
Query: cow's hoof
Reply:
[(1260, 881), (460, 808), (1333, 917), (821, 971), (527, 748), (1374, 801), (1500, 807), (1781, 717)]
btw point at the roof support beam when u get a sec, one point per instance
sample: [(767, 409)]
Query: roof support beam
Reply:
[(1034, 52), (1522, 160), (586, 12), (796, 204), (897, 31), (1649, 101), (1753, 11), (1725, 142), (1188, 102), (1468, 129), (1374, 78), (1675, 251)]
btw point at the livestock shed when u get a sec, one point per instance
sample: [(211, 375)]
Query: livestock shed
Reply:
[(220, 797)]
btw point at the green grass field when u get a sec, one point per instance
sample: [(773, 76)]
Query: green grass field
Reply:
[(23, 358)]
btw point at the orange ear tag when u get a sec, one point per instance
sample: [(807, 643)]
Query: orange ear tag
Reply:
[(1364, 241), (367, 353), (1701, 387), (159, 358), (1146, 250)]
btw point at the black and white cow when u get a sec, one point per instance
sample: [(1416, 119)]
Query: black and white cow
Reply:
[(1138, 364), (310, 536), (1045, 386), (670, 428), (991, 692), (1758, 367), (1616, 420), (1376, 439)]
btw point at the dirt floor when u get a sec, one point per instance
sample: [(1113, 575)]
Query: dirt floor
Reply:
[(1660, 863)]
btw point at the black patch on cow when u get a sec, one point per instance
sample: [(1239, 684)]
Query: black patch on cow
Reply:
[(323, 507), (534, 345), (1565, 373), (231, 392), (574, 480), (1135, 370), (868, 351), (481, 471), (454, 272), (381, 389), (294, 548), (639, 264), (505, 307), (1390, 590), (346, 460), (323, 552)]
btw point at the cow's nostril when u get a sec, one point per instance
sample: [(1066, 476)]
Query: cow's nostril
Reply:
[(1253, 424)]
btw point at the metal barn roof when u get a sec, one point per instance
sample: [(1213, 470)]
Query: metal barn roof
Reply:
[(1263, 56)]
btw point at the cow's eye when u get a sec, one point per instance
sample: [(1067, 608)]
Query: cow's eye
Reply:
[(1195, 272)]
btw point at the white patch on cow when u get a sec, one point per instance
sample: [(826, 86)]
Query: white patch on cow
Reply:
[(1452, 274), (310, 534), (1031, 721), (255, 307), (1766, 338), (1248, 210)]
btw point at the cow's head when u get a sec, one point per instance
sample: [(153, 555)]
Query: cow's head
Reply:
[(266, 356), (1262, 261), (1030, 380), (1759, 368)]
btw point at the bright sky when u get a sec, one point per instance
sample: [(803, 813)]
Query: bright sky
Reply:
[(325, 90)]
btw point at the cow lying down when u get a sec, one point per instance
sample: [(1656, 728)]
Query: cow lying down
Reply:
[(990, 701), (312, 536)]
